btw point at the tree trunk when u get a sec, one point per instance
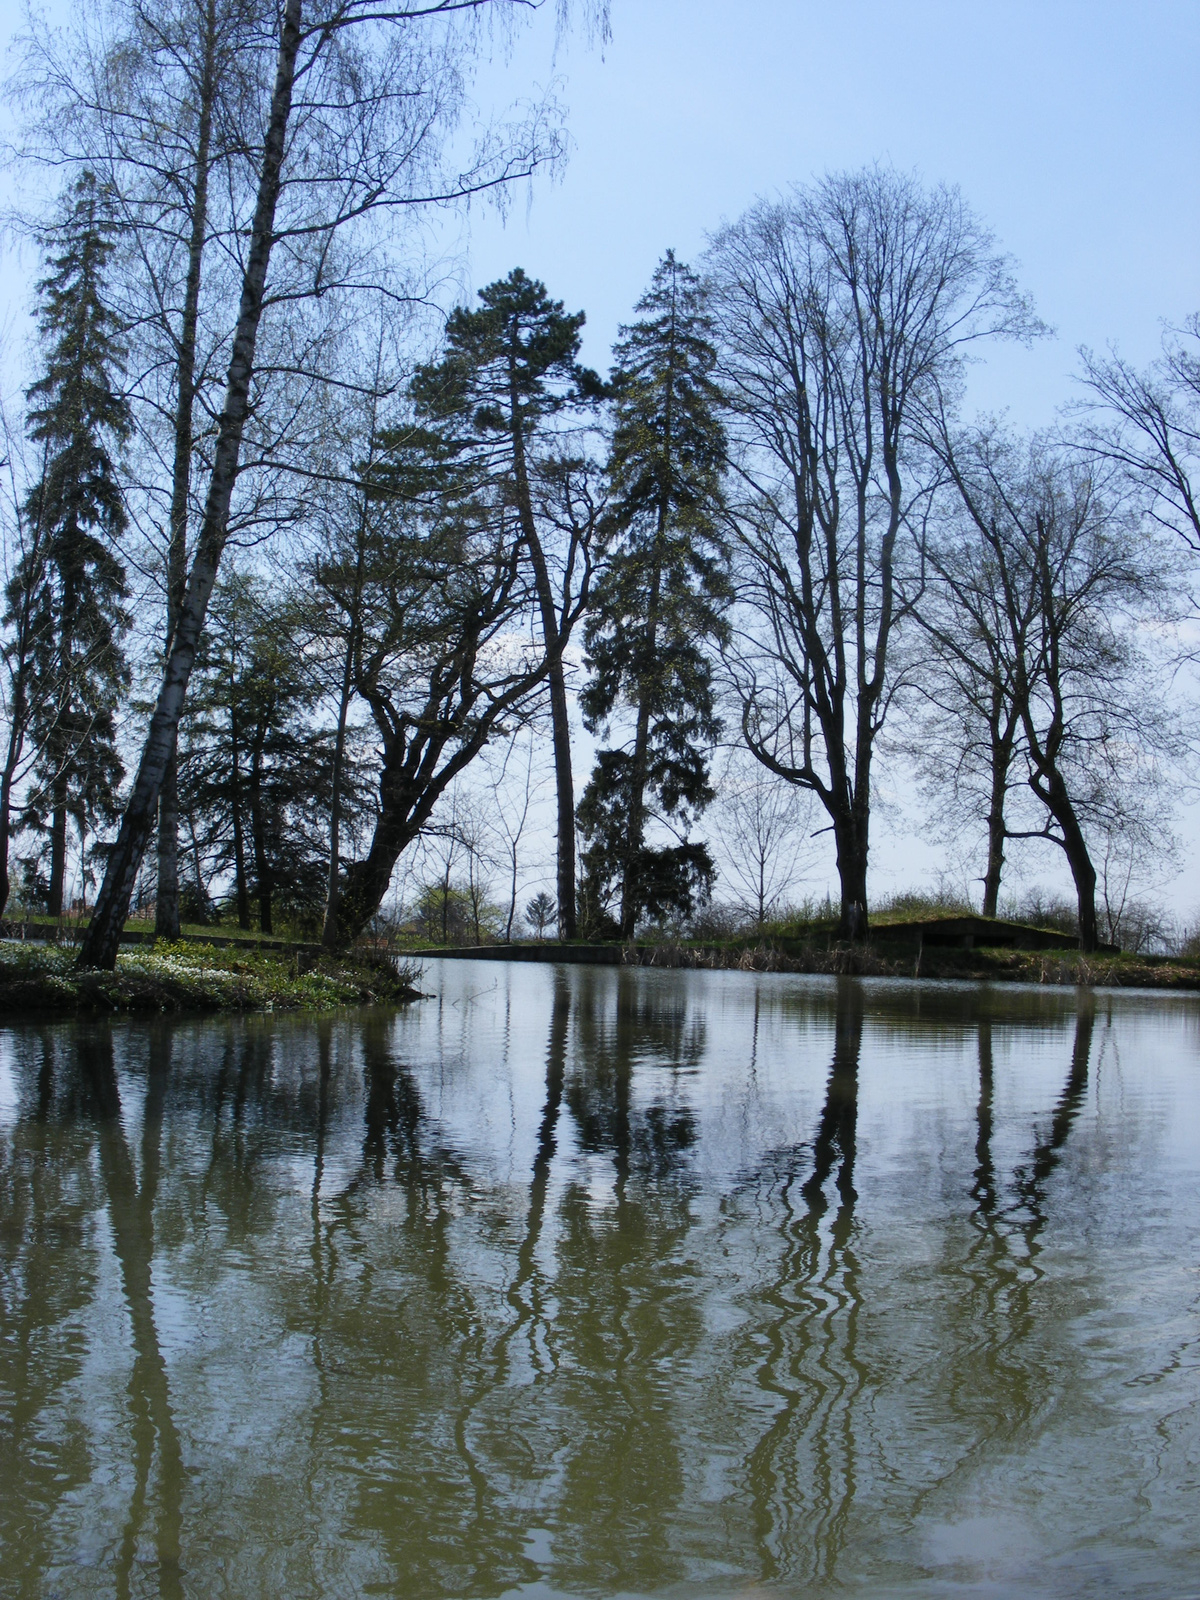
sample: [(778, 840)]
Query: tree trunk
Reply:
[(258, 836), (512, 898), (58, 848), (995, 864), (560, 720), (201, 893), (166, 912), (560, 723), (1084, 873), (406, 800), (12, 758), (630, 884), (241, 890), (630, 887), (850, 834), (997, 834), (1002, 730), (1050, 788), (166, 917), (5, 831), (99, 948), (329, 931)]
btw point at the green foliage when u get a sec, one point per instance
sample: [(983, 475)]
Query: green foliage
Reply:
[(450, 914), (255, 767), (540, 913), (657, 611), (508, 365), (671, 881), (71, 578), (193, 977)]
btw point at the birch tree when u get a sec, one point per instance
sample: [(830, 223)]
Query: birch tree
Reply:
[(351, 131)]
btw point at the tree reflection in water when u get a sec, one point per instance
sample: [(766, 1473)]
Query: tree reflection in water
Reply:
[(995, 1360), (647, 1286), (628, 1322), (48, 1195), (131, 1217), (801, 1470)]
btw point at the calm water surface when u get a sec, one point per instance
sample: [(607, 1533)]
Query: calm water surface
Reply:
[(571, 1282)]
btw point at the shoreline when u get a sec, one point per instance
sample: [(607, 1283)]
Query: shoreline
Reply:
[(238, 977), (41, 980), (1055, 968)]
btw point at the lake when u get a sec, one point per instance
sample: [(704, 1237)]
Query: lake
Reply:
[(582, 1281)]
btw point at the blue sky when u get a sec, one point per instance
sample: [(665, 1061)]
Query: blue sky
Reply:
[(1073, 130)]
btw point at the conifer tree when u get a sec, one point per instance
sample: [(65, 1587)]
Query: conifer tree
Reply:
[(509, 367), (258, 764), (656, 609), (74, 577)]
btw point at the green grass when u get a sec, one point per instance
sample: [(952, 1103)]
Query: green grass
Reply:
[(70, 925), (190, 977)]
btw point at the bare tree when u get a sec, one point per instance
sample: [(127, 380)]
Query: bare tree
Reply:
[(1148, 423), (153, 101), (346, 522), (843, 313), (762, 841), (363, 97), (473, 825), (966, 740), (1067, 573), (512, 798), (1137, 851)]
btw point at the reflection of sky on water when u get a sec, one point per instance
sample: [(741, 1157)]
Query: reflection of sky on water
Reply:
[(10, 1097), (600, 1281)]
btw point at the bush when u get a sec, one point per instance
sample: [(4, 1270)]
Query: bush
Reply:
[(1041, 908), (716, 922), (1142, 928), (453, 915), (195, 905)]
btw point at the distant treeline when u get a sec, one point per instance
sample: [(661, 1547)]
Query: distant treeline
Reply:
[(285, 568)]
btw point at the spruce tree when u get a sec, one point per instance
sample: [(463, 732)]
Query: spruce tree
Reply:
[(76, 581), (258, 765), (656, 611), (509, 367)]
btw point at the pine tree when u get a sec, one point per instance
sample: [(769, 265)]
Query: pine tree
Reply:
[(657, 608), (75, 579), (509, 367)]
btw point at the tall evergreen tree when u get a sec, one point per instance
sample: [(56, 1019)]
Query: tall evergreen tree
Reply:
[(73, 576), (258, 765), (509, 367), (657, 608)]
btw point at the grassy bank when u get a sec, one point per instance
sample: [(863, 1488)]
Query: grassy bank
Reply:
[(41, 979), (996, 966), (883, 960)]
